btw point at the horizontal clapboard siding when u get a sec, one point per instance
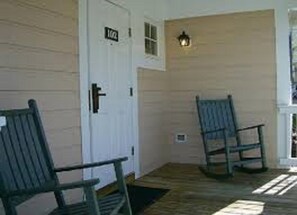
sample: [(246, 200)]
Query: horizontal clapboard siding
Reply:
[(39, 60), (63, 8), (230, 54), (32, 80), (18, 34), (18, 56), (153, 117), (23, 13)]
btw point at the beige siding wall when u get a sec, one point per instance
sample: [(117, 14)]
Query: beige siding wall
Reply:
[(39, 59), (230, 54), (153, 118)]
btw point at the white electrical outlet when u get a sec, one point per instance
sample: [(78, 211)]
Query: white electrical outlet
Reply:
[(2, 121)]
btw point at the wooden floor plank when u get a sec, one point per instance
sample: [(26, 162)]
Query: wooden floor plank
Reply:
[(191, 193)]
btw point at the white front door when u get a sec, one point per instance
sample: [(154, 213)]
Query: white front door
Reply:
[(110, 75)]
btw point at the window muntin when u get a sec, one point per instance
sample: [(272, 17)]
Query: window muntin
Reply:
[(151, 39)]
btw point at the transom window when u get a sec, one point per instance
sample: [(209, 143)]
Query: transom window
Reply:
[(150, 39)]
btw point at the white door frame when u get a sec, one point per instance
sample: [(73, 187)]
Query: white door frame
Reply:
[(84, 96)]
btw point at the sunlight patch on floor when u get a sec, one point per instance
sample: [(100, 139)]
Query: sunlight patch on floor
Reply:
[(242, 207), (293, 170), (278, 186)]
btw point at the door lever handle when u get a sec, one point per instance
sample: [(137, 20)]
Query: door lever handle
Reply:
[(100, 94), (95, 97)]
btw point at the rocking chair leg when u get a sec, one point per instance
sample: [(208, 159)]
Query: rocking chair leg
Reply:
[(264, 165), (241, 157), (92, 201), (8, 206), (207, 156), (228, 162), (122, 187), (238, 140), (227, 154), (208, 166), (60, 199), (262, 149)]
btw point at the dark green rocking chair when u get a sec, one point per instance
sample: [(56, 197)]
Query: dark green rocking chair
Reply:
[(27, 169), (218, 126)]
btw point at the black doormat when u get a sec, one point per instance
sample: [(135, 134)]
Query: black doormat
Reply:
[(142, 197)]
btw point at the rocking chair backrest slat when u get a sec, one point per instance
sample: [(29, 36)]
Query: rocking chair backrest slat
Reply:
[(23, 161), (217, 114)]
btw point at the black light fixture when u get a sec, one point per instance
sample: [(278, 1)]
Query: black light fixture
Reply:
[(184, 39)]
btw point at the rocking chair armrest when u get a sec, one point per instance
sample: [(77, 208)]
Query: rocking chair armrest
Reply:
[(250, 127), (53, 188), (213, 131), (90, 165)]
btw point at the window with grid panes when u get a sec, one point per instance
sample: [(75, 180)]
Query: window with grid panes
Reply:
[(150, 39)]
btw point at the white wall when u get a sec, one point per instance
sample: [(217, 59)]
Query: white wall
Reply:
[(192, 8)]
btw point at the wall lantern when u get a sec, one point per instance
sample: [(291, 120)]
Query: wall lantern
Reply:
[(184, 39)]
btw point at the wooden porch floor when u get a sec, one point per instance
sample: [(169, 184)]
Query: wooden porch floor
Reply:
[(191, 193)]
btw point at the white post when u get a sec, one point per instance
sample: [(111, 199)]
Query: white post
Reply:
[(289, 135)]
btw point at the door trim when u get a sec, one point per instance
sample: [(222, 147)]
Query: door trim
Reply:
[(84, 85), (84, 96)]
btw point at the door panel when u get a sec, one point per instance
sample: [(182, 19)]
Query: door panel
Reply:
[(110, 69)]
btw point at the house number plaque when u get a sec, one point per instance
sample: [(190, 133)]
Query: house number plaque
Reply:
[(111, 34)]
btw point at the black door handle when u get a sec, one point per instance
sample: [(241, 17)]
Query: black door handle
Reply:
[(95, 97)]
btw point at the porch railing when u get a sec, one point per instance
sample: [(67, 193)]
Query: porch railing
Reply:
[(289, 112)]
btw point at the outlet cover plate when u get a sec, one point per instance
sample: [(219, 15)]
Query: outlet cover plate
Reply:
[(180, 138)]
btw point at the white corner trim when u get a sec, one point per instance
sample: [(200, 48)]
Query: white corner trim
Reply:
[(84, 86)]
